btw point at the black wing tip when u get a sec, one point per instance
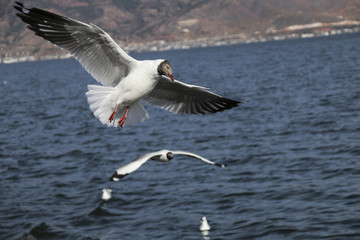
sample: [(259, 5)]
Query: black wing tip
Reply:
[(18, 3), (220, 165), (39, 15), (234, 103), (225, 104), (19, 9), (218, 104), (116, 177), (20, 6)]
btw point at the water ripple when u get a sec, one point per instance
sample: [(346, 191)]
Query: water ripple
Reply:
[(292, 150)]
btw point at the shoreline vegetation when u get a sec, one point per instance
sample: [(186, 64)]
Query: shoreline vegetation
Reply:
[(290, 32)]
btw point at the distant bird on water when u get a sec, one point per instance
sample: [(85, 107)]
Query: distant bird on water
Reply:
[(125, 80), (161, 156), (204, 224), (106, 194)]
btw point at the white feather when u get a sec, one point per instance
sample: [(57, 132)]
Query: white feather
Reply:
[(102, 105)]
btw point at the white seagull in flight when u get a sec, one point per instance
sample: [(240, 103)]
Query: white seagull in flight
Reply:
[(161, 156), (125, 80)]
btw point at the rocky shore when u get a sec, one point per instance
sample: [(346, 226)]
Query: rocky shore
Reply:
[(291, 32)]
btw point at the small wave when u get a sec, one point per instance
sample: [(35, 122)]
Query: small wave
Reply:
[(43, 231)]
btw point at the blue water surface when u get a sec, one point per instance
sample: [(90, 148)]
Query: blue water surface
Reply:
[(293, 151)]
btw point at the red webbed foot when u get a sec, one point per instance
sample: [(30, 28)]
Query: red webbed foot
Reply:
[(122, 120)]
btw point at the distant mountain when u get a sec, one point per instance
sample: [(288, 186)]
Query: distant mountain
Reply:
[(141, 21)]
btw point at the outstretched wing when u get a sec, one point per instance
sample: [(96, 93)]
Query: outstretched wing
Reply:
[(132, 166), (97, 52), (193, 155), (178, 97)]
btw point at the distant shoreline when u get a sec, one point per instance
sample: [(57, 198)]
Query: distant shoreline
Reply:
[(226, 40)]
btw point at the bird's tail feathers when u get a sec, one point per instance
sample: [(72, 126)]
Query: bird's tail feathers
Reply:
[(101, 104), (98, 97), (136, 114)]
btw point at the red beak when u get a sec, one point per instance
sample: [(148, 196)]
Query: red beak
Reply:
[(171, 76)]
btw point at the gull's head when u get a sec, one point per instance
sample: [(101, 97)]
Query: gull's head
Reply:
[(164, 156), (165, 69), (169, 155)]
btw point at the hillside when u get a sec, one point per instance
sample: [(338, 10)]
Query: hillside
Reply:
[(137, 22)]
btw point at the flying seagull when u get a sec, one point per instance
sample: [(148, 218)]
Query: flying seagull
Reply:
[(161, 156), (125, 80)]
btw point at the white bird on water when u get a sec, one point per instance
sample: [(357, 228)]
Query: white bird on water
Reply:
[(106, 194), (125, 80), (161, 156), (204, 224)]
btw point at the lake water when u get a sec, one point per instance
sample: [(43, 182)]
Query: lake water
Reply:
[(293, 151)]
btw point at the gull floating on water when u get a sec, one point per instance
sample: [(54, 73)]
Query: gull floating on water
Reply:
[(204, 224), (106, 194), (161, 156), (125, 80)]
